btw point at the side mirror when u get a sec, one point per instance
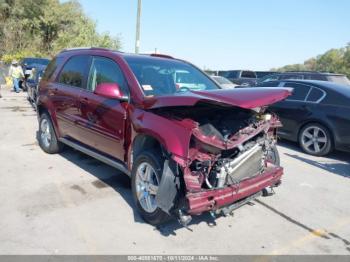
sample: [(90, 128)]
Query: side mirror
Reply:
[(110, 90)]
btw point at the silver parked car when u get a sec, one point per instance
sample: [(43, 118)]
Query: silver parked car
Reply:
[(223, 82)]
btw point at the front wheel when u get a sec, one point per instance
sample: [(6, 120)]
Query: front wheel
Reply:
[(146, 175), (273, 156)]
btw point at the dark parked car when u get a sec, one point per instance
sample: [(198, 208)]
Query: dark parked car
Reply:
[(240, 77), (28, 64), (32, 83), (317, 115), (336, 78), (188, 150), (261, 74)]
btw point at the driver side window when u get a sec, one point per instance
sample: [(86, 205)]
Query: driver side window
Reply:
[(104, 70)]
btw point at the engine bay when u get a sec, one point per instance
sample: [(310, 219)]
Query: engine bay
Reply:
[(228, 145)]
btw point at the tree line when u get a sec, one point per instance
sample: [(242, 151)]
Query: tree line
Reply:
[(42, 28), (332, 61)]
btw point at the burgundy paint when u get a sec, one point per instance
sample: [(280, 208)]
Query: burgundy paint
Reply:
[(110, 90), (213, 199), (111, 126), (247, 98)]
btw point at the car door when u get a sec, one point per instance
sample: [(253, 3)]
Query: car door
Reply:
[(65, 94), (102, 120), (294, 110)]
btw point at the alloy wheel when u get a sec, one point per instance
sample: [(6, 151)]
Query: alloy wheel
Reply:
[(146, 187), (45, 133), (314, 139)]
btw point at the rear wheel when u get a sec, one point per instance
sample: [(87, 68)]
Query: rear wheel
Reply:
[(146, 176), (47, 136), (315, 139)]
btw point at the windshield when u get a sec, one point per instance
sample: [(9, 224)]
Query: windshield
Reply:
[(341, 79), (159, 76)]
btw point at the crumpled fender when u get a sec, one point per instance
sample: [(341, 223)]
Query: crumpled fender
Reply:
[(174, 136)]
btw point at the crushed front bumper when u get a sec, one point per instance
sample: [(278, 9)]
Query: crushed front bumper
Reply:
[(209, 200)]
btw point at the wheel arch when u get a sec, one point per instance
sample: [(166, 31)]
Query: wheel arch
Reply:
[(41, 108), (144, 142)]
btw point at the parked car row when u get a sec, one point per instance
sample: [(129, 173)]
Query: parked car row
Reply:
[(240, 77), (330, 77), (32, 83), (243, 78), (29, 64)]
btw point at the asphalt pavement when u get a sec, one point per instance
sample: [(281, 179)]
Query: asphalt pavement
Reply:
[(72, 204)]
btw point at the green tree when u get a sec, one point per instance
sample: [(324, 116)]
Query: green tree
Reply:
[(44, 27), (333, 61)]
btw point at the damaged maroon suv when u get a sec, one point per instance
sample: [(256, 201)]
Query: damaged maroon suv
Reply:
[(188, 146)]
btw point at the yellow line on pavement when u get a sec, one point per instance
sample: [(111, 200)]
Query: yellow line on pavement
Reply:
[(316, 234)]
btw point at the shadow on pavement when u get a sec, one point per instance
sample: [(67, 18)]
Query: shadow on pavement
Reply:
[(341, 169), (109, 177)]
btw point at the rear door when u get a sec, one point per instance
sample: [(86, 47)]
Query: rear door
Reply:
[(294, 110), (102, 120), (65, 94)]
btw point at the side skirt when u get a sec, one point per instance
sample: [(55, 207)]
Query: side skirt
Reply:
[(105, 159)]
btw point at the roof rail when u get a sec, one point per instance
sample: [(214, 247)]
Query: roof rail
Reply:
[(85, 48), (300, 71), (162, 55)]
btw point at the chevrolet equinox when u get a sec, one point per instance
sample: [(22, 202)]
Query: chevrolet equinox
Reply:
[(189, 148)]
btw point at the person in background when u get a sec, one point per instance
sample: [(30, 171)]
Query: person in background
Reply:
[(16, 73)]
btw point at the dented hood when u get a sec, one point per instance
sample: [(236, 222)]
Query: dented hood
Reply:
[(247, 98)]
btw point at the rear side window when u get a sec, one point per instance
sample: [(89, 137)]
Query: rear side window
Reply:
[(74, 71), (104, 70), (315, 95), (51, 68), (299, 93), (248, 74)]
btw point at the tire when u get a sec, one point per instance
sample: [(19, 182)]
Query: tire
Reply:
[(23, 86), (315, 139), (151, 161), (273, 156), (47, 136)]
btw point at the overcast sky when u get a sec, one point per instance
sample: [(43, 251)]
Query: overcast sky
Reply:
[(228, 34)]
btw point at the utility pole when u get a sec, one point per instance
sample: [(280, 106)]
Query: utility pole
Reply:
[(138, 22)]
